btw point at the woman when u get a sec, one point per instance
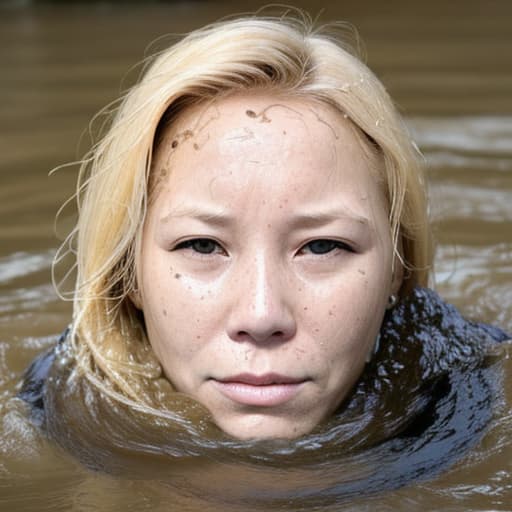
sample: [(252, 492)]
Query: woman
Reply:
[(253, 239)]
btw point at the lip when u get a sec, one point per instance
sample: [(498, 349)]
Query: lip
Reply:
[(268, 390)]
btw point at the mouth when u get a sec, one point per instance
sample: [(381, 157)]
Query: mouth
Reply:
[(268, 390)]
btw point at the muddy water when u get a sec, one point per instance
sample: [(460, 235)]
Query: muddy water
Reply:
[(449, 67)]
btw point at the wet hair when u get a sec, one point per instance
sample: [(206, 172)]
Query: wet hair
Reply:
[(283, 56)]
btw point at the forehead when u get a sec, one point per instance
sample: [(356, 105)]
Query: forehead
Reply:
[(260, 141), (252, 110)]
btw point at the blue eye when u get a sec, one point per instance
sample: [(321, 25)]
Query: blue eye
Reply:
[(200, 245), (325, 246)]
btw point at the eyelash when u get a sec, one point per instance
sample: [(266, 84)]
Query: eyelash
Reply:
[(332, 245), (192, 245)]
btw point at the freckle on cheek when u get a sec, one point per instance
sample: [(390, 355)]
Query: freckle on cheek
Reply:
[(177, 276), (164, 312)]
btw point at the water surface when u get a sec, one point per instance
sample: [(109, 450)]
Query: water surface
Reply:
[(448, 67)]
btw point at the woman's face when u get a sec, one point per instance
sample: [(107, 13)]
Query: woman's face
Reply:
[(266, 262)]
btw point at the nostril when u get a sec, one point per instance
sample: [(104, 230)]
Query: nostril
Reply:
[(241, 335)]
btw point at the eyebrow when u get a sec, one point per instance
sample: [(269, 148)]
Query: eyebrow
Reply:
[(215, 216), (316, 219), (312, 219)]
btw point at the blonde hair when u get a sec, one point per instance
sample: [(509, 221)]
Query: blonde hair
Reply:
[(281, 55)]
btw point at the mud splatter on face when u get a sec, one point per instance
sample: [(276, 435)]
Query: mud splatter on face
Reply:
[(261, 115), (160, 173), (187, 134)]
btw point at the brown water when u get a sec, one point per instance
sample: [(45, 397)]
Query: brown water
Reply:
[(448, 65)]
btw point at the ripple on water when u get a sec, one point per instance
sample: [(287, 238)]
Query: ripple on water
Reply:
[(20, 264), (478, 280), (465, 141)]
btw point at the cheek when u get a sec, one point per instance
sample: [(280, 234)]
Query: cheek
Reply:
[(347, 311), (179, 315), (348, 292), (344, 332)]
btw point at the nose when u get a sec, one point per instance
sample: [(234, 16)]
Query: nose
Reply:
[(261, 311)]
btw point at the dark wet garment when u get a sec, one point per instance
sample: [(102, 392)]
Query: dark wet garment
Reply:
[(35, 378), (424, 400)]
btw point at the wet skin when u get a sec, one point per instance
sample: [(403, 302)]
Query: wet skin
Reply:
[(266, 261)]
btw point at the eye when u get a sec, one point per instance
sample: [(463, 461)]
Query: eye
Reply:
[(325, 246), (201, 246)]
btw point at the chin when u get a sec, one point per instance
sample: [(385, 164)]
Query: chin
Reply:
[(264, 427)]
